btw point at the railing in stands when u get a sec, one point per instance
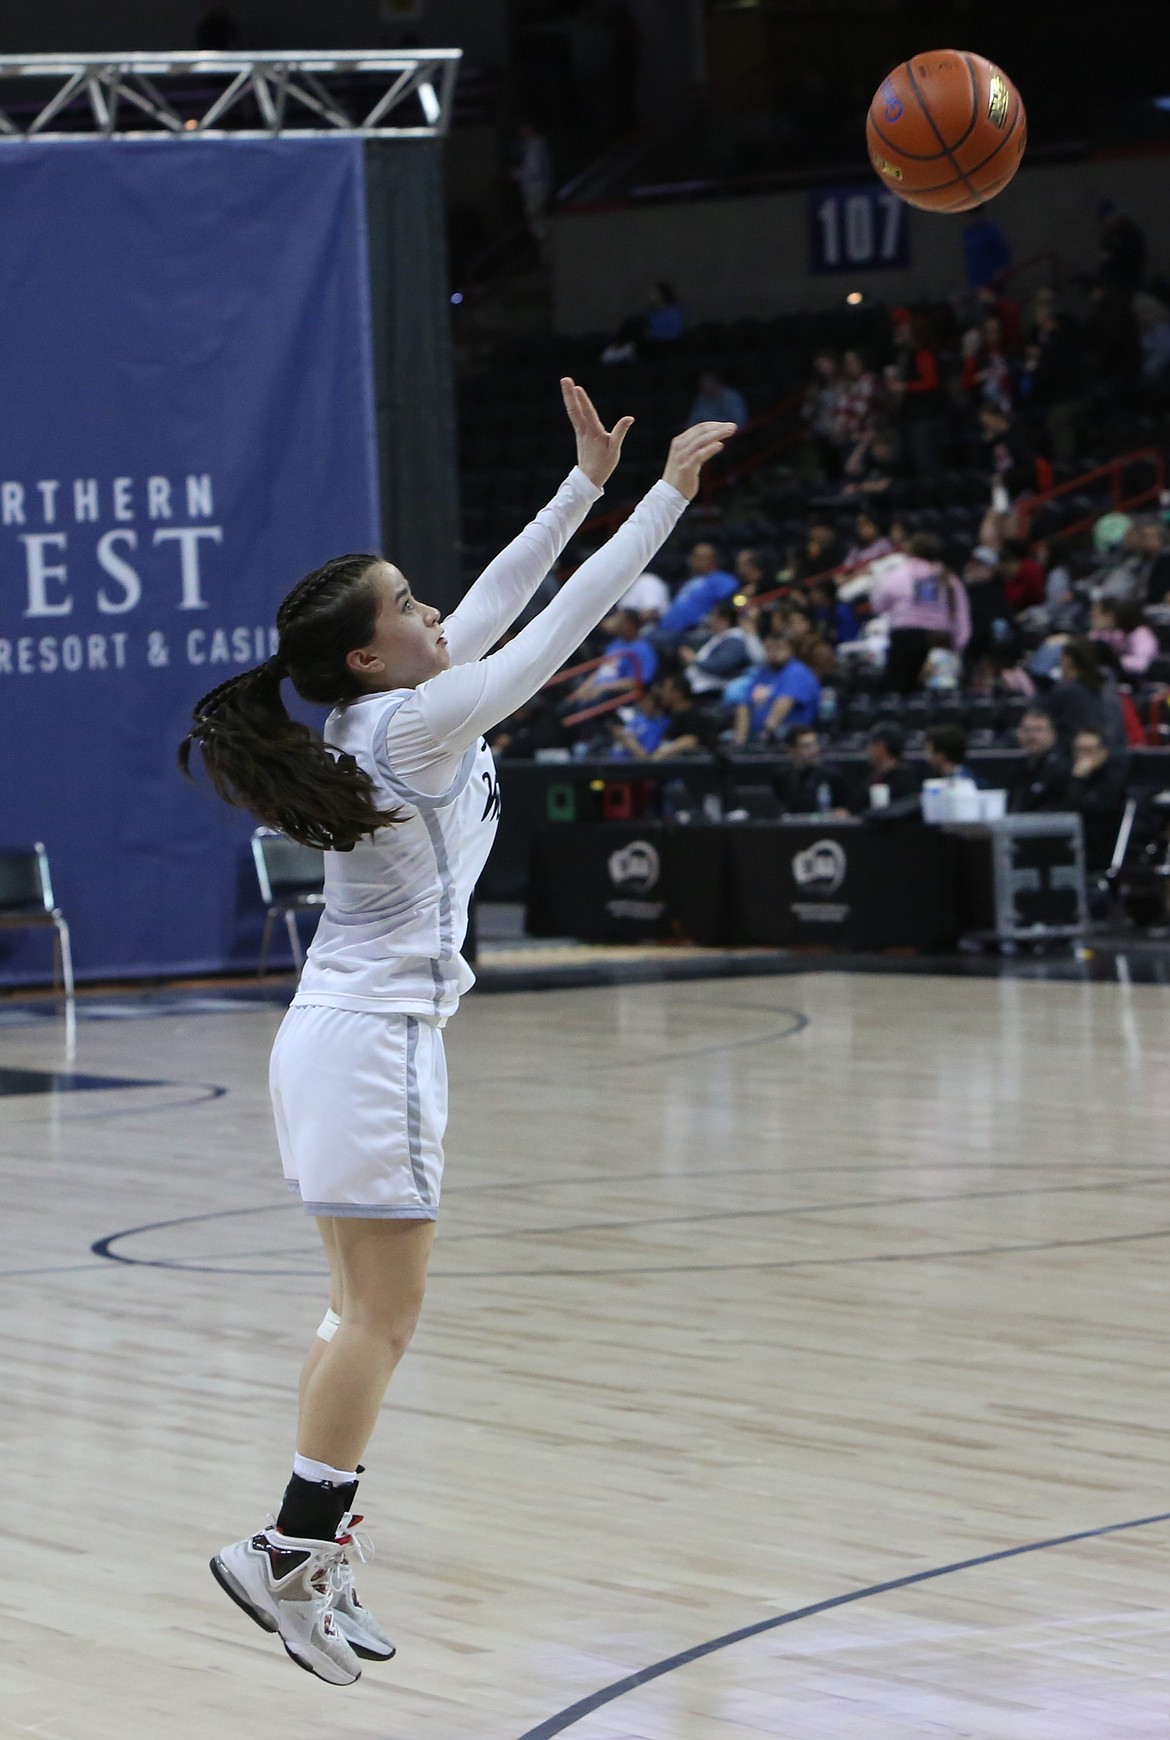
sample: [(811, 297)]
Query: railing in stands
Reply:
[(631, 690), (1122, 499), (733, 468)]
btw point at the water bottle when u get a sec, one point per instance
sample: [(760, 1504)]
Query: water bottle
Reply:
[(712, 807), (827, 710), (824, 796)]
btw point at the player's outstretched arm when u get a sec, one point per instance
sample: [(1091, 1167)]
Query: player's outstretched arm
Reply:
[(460, 704), (493, 603)]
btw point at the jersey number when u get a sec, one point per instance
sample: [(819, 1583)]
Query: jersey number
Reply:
[(492, 801)]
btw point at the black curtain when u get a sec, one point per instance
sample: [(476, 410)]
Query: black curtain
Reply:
[(414, 382)]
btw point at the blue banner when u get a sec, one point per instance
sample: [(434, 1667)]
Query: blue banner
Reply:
[(186, 427)]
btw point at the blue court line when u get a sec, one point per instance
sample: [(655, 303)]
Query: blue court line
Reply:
[(608, 1694)]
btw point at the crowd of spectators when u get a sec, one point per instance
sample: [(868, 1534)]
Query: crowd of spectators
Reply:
[(860, 628)]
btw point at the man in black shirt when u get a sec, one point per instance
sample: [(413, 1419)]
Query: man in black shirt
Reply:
[(1042, 783), (804, 787), (889, 781), (1097, 790)]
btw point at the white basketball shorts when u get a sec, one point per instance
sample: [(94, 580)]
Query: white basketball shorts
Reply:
[(360, 1103)]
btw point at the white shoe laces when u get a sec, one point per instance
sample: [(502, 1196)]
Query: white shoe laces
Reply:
[(332, 1577)]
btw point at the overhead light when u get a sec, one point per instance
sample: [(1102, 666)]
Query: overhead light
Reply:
[(854, 298), (431, 106), (457, 297)]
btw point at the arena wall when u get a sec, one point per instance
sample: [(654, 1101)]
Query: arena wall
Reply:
[(748, 257)]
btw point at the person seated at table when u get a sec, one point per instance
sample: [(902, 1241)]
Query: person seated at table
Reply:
[(946, 752), (627, 661), (1097, 791), (684, 730), (781, 691), (804, 786), (1042, 783), (708, 584), (639, 729), (884, 749), (728, 651), (1098, 776)]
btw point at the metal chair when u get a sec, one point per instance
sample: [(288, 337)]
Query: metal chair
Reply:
[(26, 901), (292, 880)]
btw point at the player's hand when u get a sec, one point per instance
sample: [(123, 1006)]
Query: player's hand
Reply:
[(598, 449), (690, 451)]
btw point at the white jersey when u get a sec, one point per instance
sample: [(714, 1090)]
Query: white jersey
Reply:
[(396, 906)]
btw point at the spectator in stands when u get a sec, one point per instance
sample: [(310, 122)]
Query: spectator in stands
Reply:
[(640, 732), (987, 374), (914, 384), (648, 598), (533, 174), (1153, 318), (728, 651), (1140, 569), (946, 752), (822, 550), (678, 727), (884, 749), (1155, 560), (753, 572), (920, 598), (992, 629), (1054, 557), (1023, 577), (662, 321), (708, 584), (873, 465), (832, 618), (1084, 698), (819, 409), (1121, 249), (627, 661), (781, 691), (987, 252), (1008, 452), (804, 786), (1119, 624), (869, 542), (1042, 782), (809, 646), (716, 401), (1054, 384), (855, 411)]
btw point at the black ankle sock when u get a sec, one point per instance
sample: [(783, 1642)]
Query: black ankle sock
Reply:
[(312, 1509)]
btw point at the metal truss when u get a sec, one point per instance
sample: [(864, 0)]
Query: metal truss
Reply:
[(214, 96)]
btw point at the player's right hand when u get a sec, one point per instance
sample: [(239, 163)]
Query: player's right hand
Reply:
[(690, 451)]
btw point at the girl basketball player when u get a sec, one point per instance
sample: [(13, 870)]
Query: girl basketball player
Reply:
[(401, 794)]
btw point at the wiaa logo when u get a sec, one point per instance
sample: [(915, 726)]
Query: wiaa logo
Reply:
[(635, 867), (821, 868)]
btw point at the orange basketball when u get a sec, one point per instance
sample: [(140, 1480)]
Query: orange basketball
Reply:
[(946, 131)]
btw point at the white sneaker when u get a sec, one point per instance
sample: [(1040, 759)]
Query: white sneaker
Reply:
[(289, 1586), (356, 1623)]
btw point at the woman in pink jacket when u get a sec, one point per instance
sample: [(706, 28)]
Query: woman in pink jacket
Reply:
[(926, 606)]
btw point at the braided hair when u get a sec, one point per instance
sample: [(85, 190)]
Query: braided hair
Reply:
[(262, 760)]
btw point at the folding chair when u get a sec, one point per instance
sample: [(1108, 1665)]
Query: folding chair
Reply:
[(292, 880), (26, 901)]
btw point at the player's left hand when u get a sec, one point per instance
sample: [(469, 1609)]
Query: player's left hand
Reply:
[(598, 449)]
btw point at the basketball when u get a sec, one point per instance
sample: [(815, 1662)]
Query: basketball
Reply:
[(946, 131)]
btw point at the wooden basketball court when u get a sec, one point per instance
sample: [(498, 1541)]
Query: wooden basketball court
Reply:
[(759, 1309)]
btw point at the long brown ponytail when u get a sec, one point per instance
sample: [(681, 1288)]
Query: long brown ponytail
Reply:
[(262, 760)]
